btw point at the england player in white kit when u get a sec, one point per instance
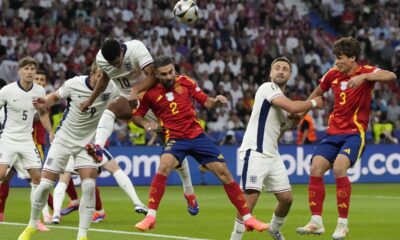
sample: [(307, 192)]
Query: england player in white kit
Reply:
[(130, 66), (16, 141), (76, 129), (263, 168)]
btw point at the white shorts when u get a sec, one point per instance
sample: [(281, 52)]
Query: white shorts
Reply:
[(26, 153), (71, 162), (59, 154), (263, 172), (19, 168)]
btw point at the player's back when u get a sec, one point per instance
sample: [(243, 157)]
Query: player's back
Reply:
[(136, 57), (19, 110), (263, 129), (79, 127)]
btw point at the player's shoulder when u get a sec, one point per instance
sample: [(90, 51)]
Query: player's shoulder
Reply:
[(134, 43), (185, 80), (331, 74), (37, 87), (367, 68), (268, 86)]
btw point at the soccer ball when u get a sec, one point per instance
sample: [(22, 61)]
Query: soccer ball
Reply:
[(186, 11)]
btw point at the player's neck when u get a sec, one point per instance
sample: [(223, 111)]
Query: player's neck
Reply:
[(26, 85), (352, 69)]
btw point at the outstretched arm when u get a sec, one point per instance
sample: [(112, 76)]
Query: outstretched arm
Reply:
[(215, 102), (101, 85), (297, 106), (378, 76)]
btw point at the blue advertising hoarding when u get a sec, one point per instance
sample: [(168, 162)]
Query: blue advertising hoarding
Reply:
[(380, 163)]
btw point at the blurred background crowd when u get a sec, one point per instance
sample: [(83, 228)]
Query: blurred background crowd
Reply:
[(228, 51)]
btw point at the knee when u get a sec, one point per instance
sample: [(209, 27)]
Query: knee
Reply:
[(339, 171), (88, 186), (316, 171), (287, 200)]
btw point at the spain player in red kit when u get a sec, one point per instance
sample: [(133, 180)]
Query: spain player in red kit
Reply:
[(171, 102), (352, 87)]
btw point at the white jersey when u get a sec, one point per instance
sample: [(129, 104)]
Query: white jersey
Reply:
[(19, 110), (76, 127), (136, 57), (264, 127), (1, 119)]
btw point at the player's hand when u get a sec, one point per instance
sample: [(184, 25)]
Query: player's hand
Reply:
[(320, 102), (151, 126), (133, 100), (221, 99), (85, 105), (356, 81), (38, 102), (51, 137)]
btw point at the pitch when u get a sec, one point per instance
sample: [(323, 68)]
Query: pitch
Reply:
[(374, 214)]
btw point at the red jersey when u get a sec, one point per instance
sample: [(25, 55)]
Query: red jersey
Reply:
[(174, 107), (351, 105)]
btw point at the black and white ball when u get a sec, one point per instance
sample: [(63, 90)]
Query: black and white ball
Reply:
[(186, 11)]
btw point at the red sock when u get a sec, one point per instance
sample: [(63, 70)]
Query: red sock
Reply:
[(316, 195), (343, 192), (99, 204), (50, 201), (4, 187), (71, 191), (236, 196), (157, 190)]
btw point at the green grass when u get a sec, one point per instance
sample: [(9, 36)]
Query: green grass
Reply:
[(374, 214)]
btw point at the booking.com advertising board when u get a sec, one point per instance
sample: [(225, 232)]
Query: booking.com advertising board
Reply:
[(380, 163)]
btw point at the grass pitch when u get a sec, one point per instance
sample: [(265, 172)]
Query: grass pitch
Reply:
[(374, 214)]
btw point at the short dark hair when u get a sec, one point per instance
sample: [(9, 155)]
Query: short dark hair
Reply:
[(111, 49), (27, 61), (348, 46), (42, 72), (2, 83), (161, 61), (282, 59)]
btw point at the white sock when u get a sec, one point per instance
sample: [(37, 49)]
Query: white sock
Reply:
[(317, 219), (58, 198), (184, 174), (238, 230), (152, 212), (343, 221), (276, 223), (105, 127), (46, 210), (125, 183), (86, 207), (39, 199)]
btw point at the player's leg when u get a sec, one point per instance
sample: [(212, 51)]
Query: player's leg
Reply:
[(55, 163), (118, 109), (157, 188), (99, 213), (4, 189), (123, 182), (74, 200), (46, 210), (59, 195), (87, 204), (285, 200), (235, 195), (239, 228), (350, 152), (188, 190), (343, 193)]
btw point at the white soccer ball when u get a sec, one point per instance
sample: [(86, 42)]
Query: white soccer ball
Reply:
[(186, 11)]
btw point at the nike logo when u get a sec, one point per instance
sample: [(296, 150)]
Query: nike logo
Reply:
[(14, 100), (80, 96)]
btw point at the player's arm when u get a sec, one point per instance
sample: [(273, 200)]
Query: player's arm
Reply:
[(45, 120), (376, 76), (297, 106), (211, 102), (143, 85), (101, 85)]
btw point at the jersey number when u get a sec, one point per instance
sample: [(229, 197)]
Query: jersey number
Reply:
[(24, 115), (173, 107), (92, 111), (342, 98), (124, 82)]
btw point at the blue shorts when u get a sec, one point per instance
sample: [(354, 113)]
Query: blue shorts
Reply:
[(351, 145), (200, 147)]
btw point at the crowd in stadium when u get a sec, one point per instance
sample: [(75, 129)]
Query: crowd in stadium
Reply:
[(228, 54)]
